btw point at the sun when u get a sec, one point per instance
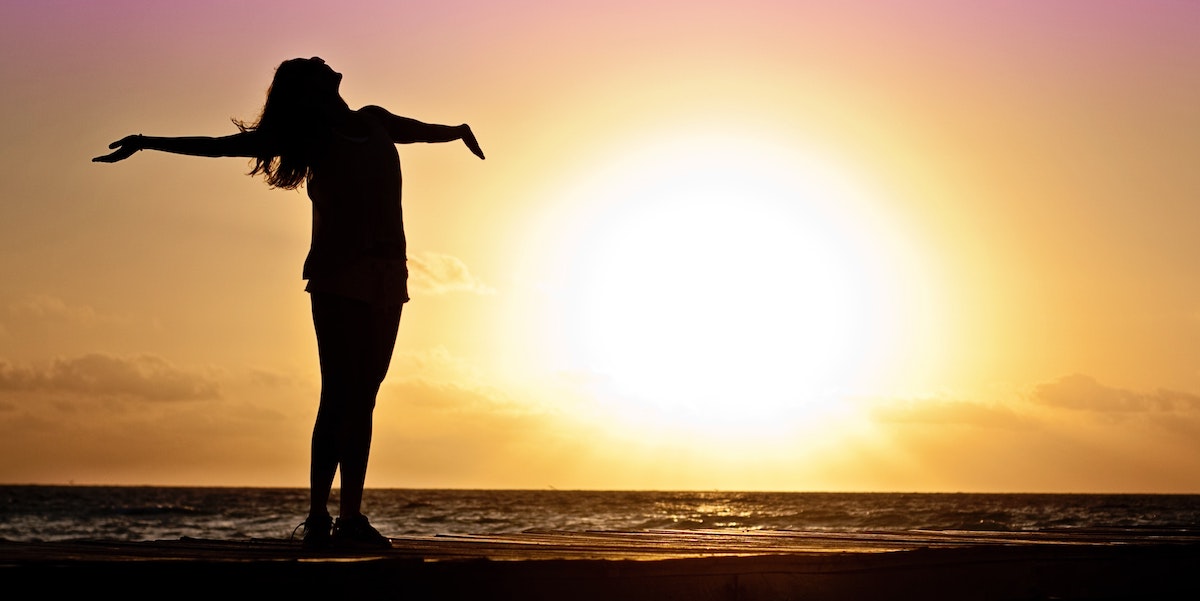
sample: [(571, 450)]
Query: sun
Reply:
[(721, 281)]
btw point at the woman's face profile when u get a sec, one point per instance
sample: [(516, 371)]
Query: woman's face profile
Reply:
[(309, 77), (322, 77)]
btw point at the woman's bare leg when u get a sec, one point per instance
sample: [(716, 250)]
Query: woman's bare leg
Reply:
[(355, 341)]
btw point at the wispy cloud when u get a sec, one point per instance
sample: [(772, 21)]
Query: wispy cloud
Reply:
[(1084, 393), (436, 273), (146, 377), (44, 307), (950, 413)]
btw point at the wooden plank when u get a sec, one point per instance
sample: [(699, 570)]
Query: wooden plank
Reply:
[(650, 544), (661, 564)]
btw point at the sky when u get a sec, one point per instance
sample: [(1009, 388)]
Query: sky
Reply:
[(898, 245)]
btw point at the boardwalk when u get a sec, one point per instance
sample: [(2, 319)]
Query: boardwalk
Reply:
[(692, 565)]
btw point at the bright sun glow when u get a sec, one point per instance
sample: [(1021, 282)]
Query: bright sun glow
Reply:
[(721, 282)]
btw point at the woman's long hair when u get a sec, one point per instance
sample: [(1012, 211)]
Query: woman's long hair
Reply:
[(295, 120)]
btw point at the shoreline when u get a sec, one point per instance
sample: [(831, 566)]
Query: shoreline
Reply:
[(698, 566)]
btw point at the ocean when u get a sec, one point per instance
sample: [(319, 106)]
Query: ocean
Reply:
[(55, 513)]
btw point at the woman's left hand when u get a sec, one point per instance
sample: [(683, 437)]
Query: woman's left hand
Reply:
[(468, 138)]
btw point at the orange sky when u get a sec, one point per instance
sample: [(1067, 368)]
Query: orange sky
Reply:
[(892, 246)]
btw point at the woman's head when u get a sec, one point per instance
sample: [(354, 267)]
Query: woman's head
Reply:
[(301, 104), (307, 81)]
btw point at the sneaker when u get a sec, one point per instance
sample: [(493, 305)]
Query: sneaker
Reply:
[(357, 532), (318, 531)]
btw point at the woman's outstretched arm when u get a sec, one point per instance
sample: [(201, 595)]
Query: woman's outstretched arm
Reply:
[(244, 144), (404, 130)]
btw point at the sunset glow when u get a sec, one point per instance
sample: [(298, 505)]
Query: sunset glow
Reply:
[(707, 274), (915, 245)]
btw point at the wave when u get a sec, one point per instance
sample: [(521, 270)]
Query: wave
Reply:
[(152, 513)]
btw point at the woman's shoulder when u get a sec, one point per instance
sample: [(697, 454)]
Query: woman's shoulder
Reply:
[(375, 111)]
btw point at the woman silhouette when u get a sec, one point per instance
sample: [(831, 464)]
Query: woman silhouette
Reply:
[(356, 273)]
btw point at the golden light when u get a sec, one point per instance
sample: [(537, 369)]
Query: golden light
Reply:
[(721, 281)]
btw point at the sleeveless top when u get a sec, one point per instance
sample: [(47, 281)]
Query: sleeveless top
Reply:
[(358, 246)]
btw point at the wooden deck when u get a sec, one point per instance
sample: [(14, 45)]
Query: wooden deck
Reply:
[(692, 565)]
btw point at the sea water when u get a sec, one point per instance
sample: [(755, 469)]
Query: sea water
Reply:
[(48, 513)]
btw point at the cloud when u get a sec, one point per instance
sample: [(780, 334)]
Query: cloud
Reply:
[(948, 413), (1070, 434), (44, 307), (146, 377), (1084, 393), (435, 273)]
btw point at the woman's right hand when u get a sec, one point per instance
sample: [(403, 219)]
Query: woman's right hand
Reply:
[(125, 147)]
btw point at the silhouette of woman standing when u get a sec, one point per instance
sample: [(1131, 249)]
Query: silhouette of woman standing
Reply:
[(356, 273)]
